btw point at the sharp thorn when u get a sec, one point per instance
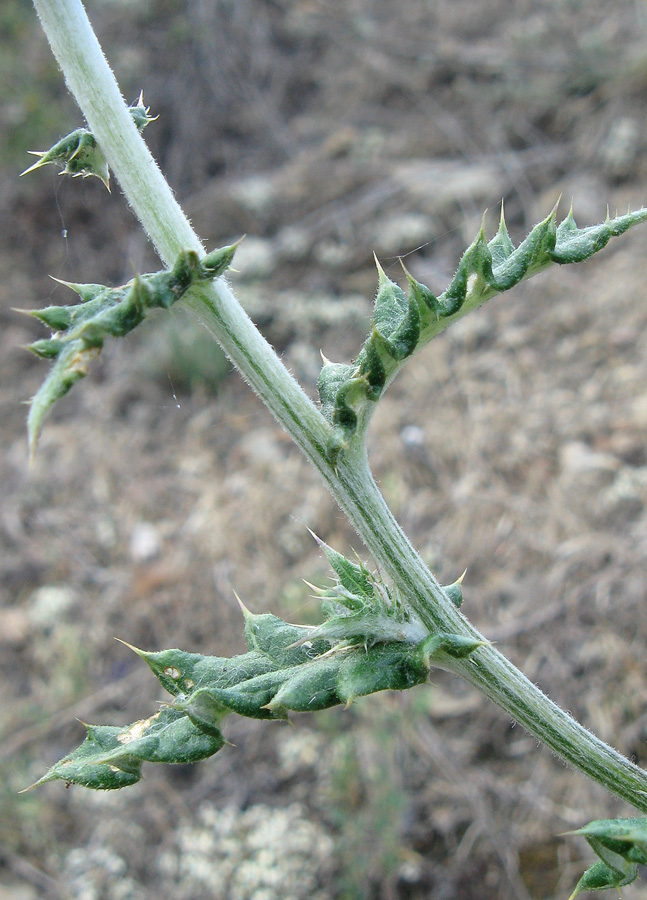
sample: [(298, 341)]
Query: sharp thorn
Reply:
[(131, 647), (246, 613), (68, 284), (317, 538), (37, 165)]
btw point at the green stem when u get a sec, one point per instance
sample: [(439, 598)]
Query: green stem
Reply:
[(487, 669), (92, 83)]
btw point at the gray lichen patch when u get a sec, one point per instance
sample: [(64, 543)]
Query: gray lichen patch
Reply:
[(261, 853)]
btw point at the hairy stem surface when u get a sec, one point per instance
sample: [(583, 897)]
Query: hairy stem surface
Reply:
[(92, 83), (487, 669)]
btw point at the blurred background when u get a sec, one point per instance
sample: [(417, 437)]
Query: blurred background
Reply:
[(515, 446)]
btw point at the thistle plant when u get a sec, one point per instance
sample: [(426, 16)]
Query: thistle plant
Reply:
[(382, 629)]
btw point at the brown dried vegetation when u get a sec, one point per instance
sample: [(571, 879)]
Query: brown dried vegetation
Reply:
[(516, 446)]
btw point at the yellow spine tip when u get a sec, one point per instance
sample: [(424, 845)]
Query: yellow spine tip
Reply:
[(246, 613), (380, 270), (131, 647)]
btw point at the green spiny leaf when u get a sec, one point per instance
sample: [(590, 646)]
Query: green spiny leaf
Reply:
[(621, 845), (403, 324), (369, 643), (55, 317), (276, 640), (71, 365), (82, 766), (168, 736), (308, 688), (141, 113), (48, 348), (501, 246), (180, 672), (112, 757), (455, 591), (80, 331), (427, 303), (355, 578), (360, 609), (86, 292), (78, 153), (439, 648), (475, 263), (395, 318), (204, 710), (578, 244), (625, 838), (383, 668), (373, 361), (246, 698), (366, 627), (600, 877), (532, 255)]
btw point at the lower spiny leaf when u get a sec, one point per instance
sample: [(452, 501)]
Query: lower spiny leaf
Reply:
[(80, 331), (621, 845), (287, 668)]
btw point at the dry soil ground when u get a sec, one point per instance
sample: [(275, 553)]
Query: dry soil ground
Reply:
[(515, 446)]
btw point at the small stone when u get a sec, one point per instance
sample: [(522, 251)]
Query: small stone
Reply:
[(294, 243), (331, 254), (639, 410), (404, 232), (256, 193), (145, 542), (49, 603), (263, 448), (619, 148), (17, 892), (255, 258), (472, 332), (576, 457), (413, 437), (15, 627), (625, 498)]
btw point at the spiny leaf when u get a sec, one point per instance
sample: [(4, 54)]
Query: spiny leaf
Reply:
[(438, 648), (282, 643), (355, 578), (78, 153), (383, 669), (396, 318), (600, 877), (621, 845), (112, 757), (455, 591), (80, 331), (288, 668), (501, 246), (402, 324), (360, 609)]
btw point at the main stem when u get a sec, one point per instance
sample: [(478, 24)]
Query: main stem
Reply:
[(89, 78)]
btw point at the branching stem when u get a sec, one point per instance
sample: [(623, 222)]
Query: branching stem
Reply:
[(89, 78)]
